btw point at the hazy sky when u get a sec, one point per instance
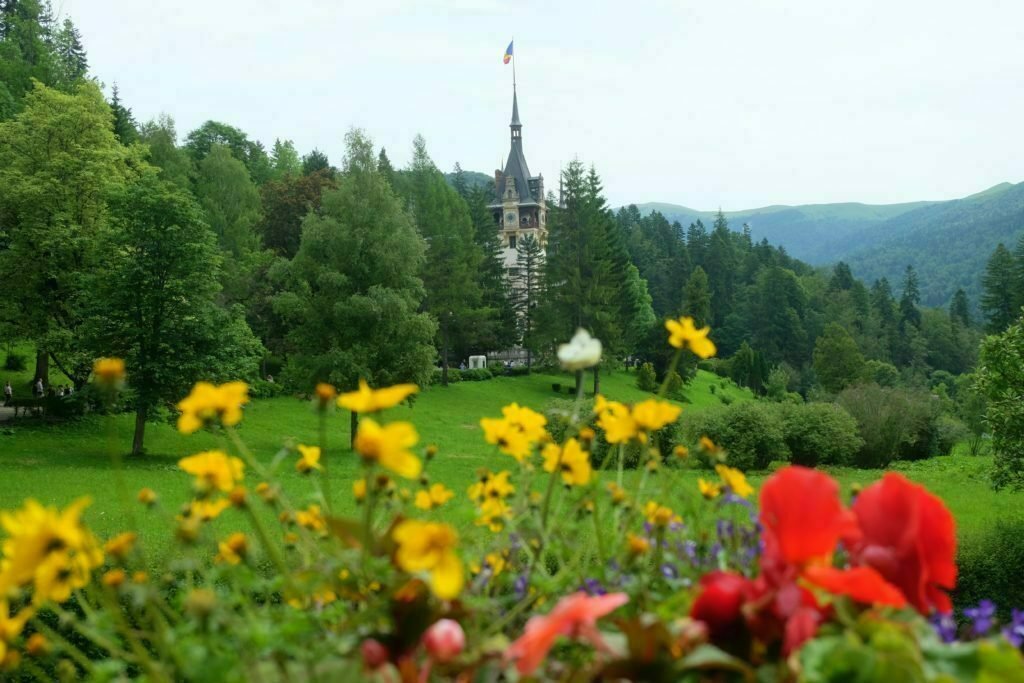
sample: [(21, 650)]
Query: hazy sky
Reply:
[(707, 103)]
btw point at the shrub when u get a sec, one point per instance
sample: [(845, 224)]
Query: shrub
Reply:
[(476, 375), (1000, 379), (890, 421), (947, 432), (646, 379), (496, 366), (674, 384), (989, 563), (726, 399), (454, 375), (556, 387), (517, 371), (15, 362), (264, 389), (750, 432), (819, 434)]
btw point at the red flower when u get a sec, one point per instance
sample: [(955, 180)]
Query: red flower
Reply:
[(802, 516), (720, 603), (909, 537), (445, 640), (801, 627), (575, 616), (863, 584)]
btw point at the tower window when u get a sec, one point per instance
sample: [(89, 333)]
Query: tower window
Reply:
[(512, 241)]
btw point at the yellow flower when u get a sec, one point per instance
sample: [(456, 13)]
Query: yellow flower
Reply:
[(618, 423), (114, 578), (389, 445), (147, 496), (311, 518), (530, 422), (213, 470), (434, 497), (683, 333), (571, 460), (492, 514), (109, 371), (140, 577), (207, 510), (207, 403), (367, 400), (11, 626), (238, 497), (652, 414), (359, 490), (708, 489), (492, 486), (53, 550), (36, 646), (119, 546), (508, 437), (309, 460), (430, 547), (637, 545), (232, 549), (681, 451), (659, 515), (735, 480), (617, 492), (325, 393), (708, 445)]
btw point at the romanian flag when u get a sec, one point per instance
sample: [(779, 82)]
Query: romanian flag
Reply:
[(508, 53)]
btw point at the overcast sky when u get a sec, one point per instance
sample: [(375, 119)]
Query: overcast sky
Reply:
[(707, 103)]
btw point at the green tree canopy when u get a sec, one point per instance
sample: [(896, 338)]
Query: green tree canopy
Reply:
[(837, 360)]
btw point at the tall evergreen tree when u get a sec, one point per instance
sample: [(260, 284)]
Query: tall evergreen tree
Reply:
[(72, 64), (26, 52), (500, 330), (697, 242), (315, 161), (909, 311), (999, 300), (353, 289), (385, 168), (720, 264), (527, 280), (452, 259), (125, 128), (284, 160), (959, 309), (697, 298)]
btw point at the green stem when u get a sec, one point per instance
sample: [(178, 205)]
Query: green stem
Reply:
[(272, 550), (622, 462), (324, 460), (547, 495), (599, 532), (671, 368), (66, 645)]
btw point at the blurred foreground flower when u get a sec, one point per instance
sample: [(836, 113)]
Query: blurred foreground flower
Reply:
[(208, 403), (582, 352), (108, 371), (430, 547), (389, 446), (367, 400), (683, 333)]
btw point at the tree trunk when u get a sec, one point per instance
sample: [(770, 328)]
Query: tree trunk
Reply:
[(444, 360), (597, 380), (353, 425), (140, 430), (579, 384), (529, 361), (42, 368)]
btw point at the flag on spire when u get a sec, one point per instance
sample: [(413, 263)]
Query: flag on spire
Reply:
[(508, 53)]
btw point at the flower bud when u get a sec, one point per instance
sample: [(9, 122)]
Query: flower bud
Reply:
[(720, 603), (37, 645), (445, 640), (375, 655)]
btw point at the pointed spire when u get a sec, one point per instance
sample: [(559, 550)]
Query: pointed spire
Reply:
[(515, 108)]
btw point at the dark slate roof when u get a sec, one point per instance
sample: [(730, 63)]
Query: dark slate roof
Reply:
[(515, 108), (516, 165)]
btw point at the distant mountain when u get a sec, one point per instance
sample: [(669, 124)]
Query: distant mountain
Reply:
[(473, 179), (947, 242)]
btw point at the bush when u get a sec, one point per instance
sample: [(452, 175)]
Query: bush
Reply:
[(15, 362), (750, 432), (646, 380), (474, 375), (819, 434), (517, 371), (947, 432), (556, 387), (893, 423), (718, 366), (496, 366), (881, 373), (454, 375), (264, 389), (989, 564), (674, 384)]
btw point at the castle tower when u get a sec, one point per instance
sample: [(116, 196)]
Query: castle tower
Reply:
[(520, 209)]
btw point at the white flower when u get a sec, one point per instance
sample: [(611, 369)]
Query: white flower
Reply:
[(582, 351)]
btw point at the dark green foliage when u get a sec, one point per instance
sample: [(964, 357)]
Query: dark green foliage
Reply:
[(353, 292), (880, 373), (152, 301), (989, 565), (999, 302), (125, 128), (819, 434), (750, 432), (960, 309), (14, 362), (1001, 380), (285, 203), (697, 298), (211, 134), (971, 407), (893, 423), (316, 161), (748, 368), (646, 380), (837, 360), (674, 385), (527, 291), (161, 138)]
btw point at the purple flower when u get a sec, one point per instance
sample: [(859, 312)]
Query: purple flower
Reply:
[(981, 616), (724, 528), (945, 626), (593, 587), (669, 571), (521, 585), (1014, 631)]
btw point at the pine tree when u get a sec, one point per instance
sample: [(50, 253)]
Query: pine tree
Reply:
[(527, 280), (459, 181), (125, 127), (697, 298), (959, 309), (385, 168), (697, 242), (500, 330), (1018, 282), (999, 298), (316, 161), (720, 265), (837, 360), (284, 159), (909, 312), (71, 60), (354, 292)]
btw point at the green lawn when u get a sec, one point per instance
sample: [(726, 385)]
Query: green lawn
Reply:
[(55, 463)]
